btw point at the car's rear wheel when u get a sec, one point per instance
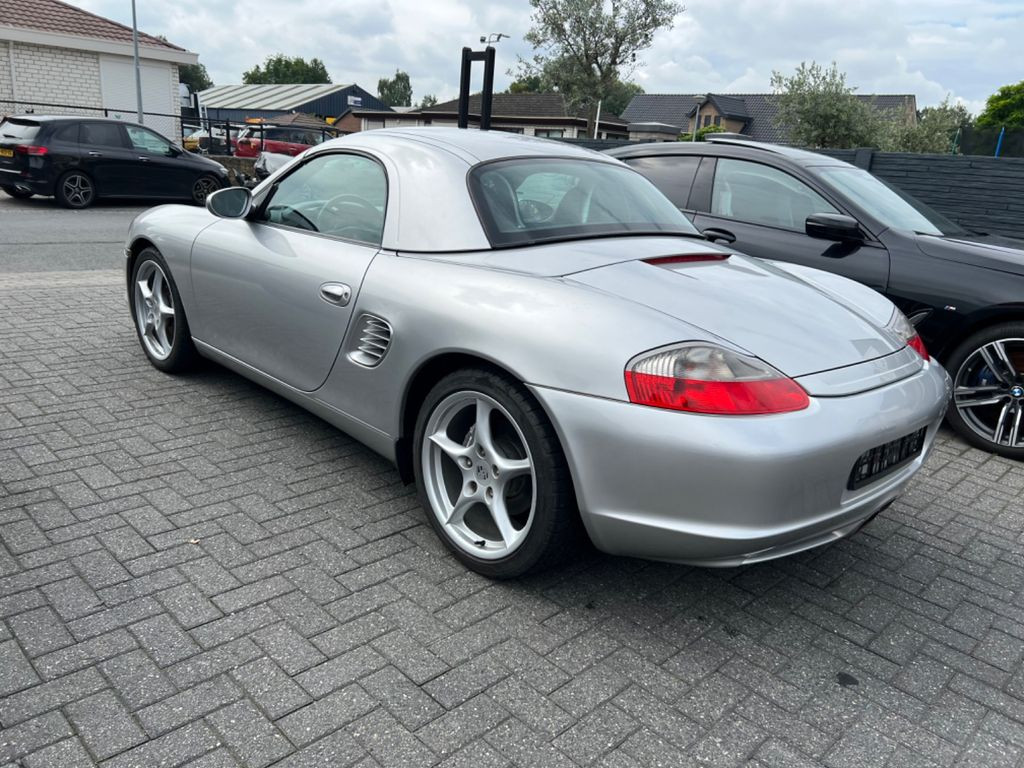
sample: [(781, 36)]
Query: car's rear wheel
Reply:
[(203, 187), (75, 189), (492, 476), (159, 316), (20, 193), (988, 389)]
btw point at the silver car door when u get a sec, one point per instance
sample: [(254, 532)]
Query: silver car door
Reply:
[(276, 290)]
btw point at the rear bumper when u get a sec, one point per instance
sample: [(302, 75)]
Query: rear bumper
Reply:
[(39, 180), (725, 491)]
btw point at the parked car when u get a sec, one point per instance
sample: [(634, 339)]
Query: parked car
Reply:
[(269, 162), (962, 290), (565, 347), (290, 140), (80, 159)]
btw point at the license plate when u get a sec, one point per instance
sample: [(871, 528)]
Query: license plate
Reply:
[(6, 152), (885, 459)]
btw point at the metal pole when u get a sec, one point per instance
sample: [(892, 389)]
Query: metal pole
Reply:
[(696, 123), (597, 120), (488, 92), (138, 71), (999, 141), (464, 89)]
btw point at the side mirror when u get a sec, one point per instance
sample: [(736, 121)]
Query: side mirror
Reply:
[(833, 226), (230, 202)]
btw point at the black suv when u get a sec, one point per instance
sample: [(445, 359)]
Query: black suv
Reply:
[(79, 159), (964, 291)]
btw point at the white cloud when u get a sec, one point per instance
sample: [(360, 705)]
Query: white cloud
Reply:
[(925, 47)]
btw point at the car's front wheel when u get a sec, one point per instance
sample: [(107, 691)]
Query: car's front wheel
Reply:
[(203, 187), (20, 193), (492, 476), (158, 314), (988, 389)]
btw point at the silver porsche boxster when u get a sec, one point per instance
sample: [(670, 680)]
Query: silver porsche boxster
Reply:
[(544, 344)]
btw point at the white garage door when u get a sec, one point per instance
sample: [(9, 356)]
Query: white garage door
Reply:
[(117, 78)]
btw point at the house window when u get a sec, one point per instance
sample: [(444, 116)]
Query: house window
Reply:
[(549, 133), (355, 101), (505, 129), (707, 120), (718, 119)]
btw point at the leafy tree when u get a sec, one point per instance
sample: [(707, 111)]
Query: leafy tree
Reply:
[(1004, 107), (585, 47), (701, 133), (195, 77), (527, 84), (559, 75), (816, 108), (285, 69), (619, 94), (933, 132), (428, 101), (395, 91)]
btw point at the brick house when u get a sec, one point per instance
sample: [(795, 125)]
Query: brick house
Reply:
[(751, 114), (52, 53)]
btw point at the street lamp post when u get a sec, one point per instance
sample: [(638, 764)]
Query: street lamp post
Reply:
[(138, 71)]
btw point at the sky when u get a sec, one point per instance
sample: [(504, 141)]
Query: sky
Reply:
[(929, 48)]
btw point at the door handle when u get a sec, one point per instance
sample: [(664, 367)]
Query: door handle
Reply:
[(94, 154), (143, 158), (714, 234), (335, 293)]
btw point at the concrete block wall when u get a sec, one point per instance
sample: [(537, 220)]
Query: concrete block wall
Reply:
[(56, 76)]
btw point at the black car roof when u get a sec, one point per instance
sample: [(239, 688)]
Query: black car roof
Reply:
[(66, 118), (743, 147)]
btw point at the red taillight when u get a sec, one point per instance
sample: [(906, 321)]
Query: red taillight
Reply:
[(916, 344), (702, 378), (721, 397), (31, 149), (686, 258)]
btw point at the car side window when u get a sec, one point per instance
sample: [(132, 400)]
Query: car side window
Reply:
[(145, 140), (342, 195), (672, 174), (67, 134), (760, 194), (101, 135)]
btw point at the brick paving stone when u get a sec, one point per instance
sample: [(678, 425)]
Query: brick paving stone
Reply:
[(316, 620)]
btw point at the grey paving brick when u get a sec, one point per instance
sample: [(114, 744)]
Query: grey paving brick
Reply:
[(15, 671), (32, 735), (595, 734), (171, 749), (203, 666), (72, 598), (40, 631), (326, 715), (189, 705), (137, 679), (288, 648), (249, 734), (50, 695), (68, 753), (164, 640), (104, 725), (459, 726), (340, 671), (337, 749), (389, 742), (270, 687)]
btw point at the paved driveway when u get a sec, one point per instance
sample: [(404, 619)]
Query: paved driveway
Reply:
[(195, 572)]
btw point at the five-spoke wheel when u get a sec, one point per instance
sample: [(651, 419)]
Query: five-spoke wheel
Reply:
[(159, 318), (203, 187), (988, 389), (491, 473), (75, 189)]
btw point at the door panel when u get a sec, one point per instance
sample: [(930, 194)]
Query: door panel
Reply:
[(163, 172), (258, 297), (764, 208), (107, 158)]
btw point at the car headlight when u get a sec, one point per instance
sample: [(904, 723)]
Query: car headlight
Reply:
[(900, 327), (704, 378)]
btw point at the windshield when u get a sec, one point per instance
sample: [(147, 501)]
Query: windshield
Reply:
[(541, 199), (894, 209), (12, 128)]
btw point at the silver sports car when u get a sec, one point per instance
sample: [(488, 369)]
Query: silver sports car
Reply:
[(541, 341)]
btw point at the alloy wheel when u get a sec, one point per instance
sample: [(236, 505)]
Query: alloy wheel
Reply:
[(479, 475), (204, 186), (154, 310), (78, 190), (988, 392)]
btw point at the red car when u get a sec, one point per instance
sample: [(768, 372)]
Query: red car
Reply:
[(289, 140)]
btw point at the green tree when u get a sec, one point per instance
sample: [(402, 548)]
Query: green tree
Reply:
[(195, 77), (702, 132), (427, 101), (527, 84), (285, 69), (395, 91), (585, 47), (933, 132), (619, 94), (1004, 107), (816, 108)]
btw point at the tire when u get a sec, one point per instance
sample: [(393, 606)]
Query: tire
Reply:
[(203, 186), (171, 351), (988, 389), (76, 190), (543, 524), (18, 193)]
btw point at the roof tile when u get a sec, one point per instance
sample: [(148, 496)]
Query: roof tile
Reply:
[(61, 18)]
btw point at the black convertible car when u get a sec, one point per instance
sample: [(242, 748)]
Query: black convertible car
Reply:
[(80, 159), (963, 290)]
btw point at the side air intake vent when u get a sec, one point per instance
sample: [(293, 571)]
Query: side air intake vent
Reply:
[(372, 339)]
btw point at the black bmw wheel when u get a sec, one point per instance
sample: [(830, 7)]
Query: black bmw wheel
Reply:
[(988, 389), (492, 476)]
